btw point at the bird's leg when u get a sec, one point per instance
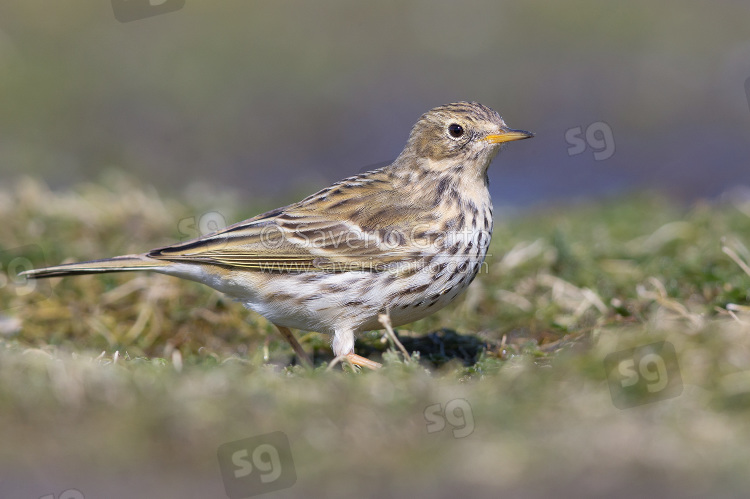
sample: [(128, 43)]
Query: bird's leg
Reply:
[(343, 349), (289, 337)]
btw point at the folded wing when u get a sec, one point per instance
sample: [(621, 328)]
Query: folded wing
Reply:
[(320, 233)]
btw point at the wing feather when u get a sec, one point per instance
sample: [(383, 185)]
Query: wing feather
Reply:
[(373, 233)]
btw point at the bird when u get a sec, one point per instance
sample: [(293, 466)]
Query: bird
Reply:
[(402, 240)]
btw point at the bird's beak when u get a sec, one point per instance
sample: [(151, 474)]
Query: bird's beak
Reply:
[(507, 135)]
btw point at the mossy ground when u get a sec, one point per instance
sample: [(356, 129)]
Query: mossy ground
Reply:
[(126, 385)]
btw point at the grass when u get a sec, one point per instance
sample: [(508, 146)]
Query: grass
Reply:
[(106, 378)]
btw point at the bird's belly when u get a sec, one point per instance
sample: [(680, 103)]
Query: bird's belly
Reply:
[(326, 302), (429, 291)]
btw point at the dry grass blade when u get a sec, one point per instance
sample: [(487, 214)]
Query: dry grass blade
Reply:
[(385, 320)]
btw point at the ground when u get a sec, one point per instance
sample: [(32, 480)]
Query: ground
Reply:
[(604, 350)]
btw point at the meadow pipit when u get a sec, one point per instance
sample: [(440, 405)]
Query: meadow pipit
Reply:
[(403, 240)]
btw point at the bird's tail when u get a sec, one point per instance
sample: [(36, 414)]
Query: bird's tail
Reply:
[(125, 263)]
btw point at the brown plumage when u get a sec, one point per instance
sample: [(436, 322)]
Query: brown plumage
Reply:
[(404, 239)]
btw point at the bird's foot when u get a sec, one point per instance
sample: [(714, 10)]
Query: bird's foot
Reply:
[(356, 361)]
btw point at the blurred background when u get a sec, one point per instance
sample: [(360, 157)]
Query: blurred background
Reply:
[(272, 100), (219, 104)]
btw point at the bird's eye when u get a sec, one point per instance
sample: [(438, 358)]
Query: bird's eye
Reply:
[(455, 130)]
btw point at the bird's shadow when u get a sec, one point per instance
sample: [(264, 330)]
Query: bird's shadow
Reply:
[(436, 348)]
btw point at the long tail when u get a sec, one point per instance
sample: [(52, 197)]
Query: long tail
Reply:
[(125, 263)]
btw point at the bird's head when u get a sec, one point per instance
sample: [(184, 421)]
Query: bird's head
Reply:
[(463, 133)]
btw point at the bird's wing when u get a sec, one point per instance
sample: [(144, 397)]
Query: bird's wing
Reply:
[(364, 230)]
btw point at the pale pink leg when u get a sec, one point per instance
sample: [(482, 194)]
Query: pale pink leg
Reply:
[(289, 337)]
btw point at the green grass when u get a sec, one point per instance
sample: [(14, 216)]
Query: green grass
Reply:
[(103, 378)]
